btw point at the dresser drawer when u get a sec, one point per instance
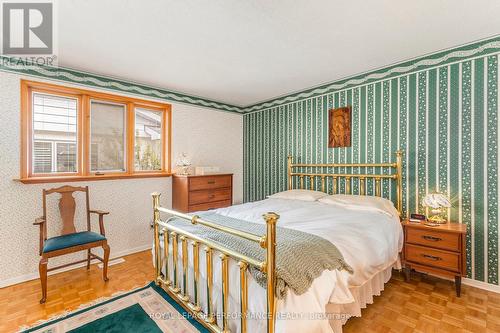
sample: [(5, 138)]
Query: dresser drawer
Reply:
[(433, 238), (209, 205), (205, 196), (430, 257), (211, 182)]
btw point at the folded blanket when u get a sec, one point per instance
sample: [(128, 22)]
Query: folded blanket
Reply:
[(300, 257)]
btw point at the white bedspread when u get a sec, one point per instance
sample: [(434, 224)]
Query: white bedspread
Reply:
[(369, 241)]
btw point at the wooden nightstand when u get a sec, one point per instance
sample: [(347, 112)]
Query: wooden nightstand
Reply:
[(435, 250)]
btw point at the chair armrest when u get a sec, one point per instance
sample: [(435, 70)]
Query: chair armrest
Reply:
[(98, 212), (39, 221), (101, 214)]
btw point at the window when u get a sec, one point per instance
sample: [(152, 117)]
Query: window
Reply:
[(107, 137), (54, 120), (75, 134), (148, 138)]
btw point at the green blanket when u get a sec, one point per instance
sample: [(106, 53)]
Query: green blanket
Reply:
[(300, 257)]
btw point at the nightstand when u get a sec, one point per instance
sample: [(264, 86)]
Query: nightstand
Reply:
[(435, 250)]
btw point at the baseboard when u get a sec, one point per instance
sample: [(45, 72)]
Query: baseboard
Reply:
[(111, 262), (34, 275), (481, 285)]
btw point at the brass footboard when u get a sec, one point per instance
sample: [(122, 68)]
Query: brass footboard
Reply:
[(192, 302)]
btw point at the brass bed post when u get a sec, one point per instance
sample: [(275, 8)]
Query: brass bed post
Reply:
[(156, 219), (243, 295), (209, 279), (225, 292), (175, 258), (165, 255), (399, 181), (378, 190), (185, 295), (271, 220), (196, 264), (289, 171)]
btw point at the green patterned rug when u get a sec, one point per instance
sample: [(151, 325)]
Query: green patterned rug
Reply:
[(145, 310)]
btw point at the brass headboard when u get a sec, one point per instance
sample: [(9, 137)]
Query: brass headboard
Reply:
[(322, 172)]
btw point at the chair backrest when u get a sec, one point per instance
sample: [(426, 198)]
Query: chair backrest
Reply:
[(67, 206)]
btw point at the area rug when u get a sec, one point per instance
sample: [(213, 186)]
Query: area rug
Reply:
[(148, 309)]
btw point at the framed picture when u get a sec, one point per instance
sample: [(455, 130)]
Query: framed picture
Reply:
[(339, 127)]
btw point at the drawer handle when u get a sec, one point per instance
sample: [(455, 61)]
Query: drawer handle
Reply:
[(211, 182), (432, 238), (427, 256)]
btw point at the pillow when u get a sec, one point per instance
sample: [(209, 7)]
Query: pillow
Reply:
[(304, 195), (361, 202)]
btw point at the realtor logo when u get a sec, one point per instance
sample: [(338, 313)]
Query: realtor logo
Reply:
[(27, 28)]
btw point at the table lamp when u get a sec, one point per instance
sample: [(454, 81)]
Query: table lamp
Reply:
[(438, 203)]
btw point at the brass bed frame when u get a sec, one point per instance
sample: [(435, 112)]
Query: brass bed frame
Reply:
[(172, 234)]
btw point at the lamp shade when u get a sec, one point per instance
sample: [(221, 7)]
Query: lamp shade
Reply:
[(436, 200)]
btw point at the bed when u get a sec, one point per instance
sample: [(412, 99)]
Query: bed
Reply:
[(212, 281)]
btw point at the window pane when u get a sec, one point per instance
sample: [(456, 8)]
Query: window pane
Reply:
[(148, 145), (107, 142), (42, 157), (54, 120), (66, 155)]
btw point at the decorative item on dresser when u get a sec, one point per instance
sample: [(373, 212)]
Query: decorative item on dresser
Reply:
[(191, 193), (438, 250)]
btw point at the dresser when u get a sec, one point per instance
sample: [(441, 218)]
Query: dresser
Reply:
[(435, 250), (191, 193)]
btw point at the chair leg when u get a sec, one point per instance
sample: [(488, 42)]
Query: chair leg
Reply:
[(88, 259), (105, 262), (42, 268)]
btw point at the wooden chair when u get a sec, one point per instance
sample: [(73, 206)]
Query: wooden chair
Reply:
[(70, 241)]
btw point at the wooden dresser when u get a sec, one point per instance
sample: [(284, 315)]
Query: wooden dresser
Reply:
[(193, 193), (435, 250)]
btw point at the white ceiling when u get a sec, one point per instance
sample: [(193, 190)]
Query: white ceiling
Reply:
[(244, 52)]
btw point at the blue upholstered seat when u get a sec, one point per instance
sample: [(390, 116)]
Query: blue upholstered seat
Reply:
[(65, 241)]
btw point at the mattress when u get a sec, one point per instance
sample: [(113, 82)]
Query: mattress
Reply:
[(370, 242)]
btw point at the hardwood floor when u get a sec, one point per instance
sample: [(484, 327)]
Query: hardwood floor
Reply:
[(19, 304), (424, 305), (428, 305)]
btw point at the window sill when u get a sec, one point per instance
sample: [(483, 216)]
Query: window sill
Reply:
[(60, 179)]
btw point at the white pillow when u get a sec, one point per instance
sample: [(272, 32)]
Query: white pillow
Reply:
[(304, 195), (362, 202)]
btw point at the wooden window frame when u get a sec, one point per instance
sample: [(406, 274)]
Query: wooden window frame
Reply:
[(84, 97)]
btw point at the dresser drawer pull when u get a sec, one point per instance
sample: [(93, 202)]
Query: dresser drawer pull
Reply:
[(432, 238), (211, 182), (431, 257)]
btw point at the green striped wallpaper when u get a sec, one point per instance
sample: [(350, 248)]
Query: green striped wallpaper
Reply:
[(444, 117)]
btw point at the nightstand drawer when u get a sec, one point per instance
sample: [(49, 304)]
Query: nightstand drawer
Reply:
[(204, 196), (433, 238), (209, 182), (436, 258)]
